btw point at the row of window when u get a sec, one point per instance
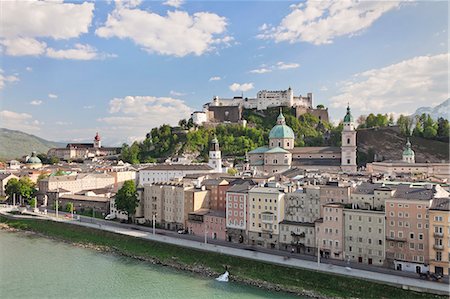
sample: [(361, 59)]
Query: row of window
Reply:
[(369, 251), (361, 240)]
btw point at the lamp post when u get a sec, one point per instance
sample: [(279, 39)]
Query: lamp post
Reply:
[(206, 236), (318, 252), (154, 222)]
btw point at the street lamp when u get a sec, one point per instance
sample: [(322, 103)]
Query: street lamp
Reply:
[(318, 251), (154, 222)]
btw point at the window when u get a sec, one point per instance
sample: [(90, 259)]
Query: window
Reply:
[(411, 235), (438, 218), (438, 256), (348, 161), (420, 246), (420, 236), (411, 246)]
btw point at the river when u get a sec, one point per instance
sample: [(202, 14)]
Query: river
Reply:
[(35, 267)]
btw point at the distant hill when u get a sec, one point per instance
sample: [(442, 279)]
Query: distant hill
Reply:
[(16, 144), (441, 110), (389, 143)]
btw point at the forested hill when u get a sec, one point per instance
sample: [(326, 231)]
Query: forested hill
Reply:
[(16, 144), (234, 139)]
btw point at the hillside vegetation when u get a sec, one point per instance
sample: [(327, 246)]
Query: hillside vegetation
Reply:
[(16, 144)]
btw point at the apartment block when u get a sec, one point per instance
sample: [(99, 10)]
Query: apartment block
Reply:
[(330, 231), (297, 230), (237, 212), (364, 232), (266, 210), (439, 236)]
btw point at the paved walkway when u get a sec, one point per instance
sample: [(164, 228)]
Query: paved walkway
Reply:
[(395, 280)]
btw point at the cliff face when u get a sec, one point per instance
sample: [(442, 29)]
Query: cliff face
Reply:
[(389, 143)]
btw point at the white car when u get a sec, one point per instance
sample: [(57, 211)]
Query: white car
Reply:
[(110, 217)]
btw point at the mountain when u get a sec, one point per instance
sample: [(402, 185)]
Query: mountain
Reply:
[(16, 144), (441, 110)]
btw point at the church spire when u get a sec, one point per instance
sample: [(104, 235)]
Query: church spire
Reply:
[(280, 119)]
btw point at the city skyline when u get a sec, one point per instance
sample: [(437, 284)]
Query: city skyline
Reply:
[(123, 68)]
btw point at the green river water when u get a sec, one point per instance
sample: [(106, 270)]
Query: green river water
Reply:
[(35, 267)]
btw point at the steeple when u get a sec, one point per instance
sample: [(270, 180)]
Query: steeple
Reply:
[(280, 119), (408, 154), (348, 118), (215, 157)]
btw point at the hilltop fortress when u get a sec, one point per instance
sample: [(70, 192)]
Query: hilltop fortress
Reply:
[(223, 110)]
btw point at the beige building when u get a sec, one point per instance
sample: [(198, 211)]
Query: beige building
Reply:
[(407, 227), (392, 168), (302, 209), (371, 196), (364, 236), (266, 210), (334, 192), (76, 183), (171, 203), (439, 236), (330, 231)]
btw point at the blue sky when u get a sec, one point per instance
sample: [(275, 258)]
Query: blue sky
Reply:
[(123, 68)]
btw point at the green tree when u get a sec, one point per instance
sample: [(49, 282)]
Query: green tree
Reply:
[(32, 202), (69, 207), (443, 128), (41, 177), (24, 187), (405, 124), (126, 199), (429, 132), (320, 106), (232, 171)]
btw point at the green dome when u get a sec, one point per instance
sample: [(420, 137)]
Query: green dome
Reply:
[(281, 131), (408, 151), (348, 118), (33, 159)]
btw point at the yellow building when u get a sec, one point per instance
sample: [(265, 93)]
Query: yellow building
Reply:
[(439, 239), (266, 211)]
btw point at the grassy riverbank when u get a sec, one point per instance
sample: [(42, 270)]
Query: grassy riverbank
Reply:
[(300, 281)]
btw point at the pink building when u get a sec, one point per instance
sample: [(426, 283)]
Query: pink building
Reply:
[(330, 231), (211, 223), (237, 212)]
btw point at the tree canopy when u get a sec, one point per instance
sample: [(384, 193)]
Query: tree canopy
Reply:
[(126, 199), (24, 187)]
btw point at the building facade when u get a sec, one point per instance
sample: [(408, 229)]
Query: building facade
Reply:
[(266, 210), (439, 236), (348, 148)]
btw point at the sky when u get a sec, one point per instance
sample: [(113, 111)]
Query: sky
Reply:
[(121, 68)]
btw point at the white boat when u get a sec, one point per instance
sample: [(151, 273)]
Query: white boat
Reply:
[(223, 277)]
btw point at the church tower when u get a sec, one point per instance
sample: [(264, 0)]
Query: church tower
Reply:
[(408, 154), (215, 156), (97, 141), (348, 148)]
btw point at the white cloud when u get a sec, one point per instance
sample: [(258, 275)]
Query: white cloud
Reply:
[(319, 22), (176, 93), (89, 107), (178, 33), (241, 87), (408, 84), (44, 19), (215, 78), (174, 3), (36, 102), (29, 69), (63, 123), (18, 121), (260, 71), (23, 46), (52, 96), (6, 79), (323, 88), (136, 115), (79, 52), (286, 66)]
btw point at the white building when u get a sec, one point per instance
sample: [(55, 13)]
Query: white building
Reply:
[(215, 156), (199, 117), (348, 149), (162, 173)]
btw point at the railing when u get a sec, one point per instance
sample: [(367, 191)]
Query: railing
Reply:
[(438, 235), (397, 239)]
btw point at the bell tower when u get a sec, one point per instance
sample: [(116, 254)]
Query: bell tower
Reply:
[(215, 156), (348, 148), (97, 141)]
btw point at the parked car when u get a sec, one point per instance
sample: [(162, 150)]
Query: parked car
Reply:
[(182, 231), (110, 217)]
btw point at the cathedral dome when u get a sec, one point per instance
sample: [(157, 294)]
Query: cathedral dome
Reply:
[(33, 159), (408, 151), (281, 130)]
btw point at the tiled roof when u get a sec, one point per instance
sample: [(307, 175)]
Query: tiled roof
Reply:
[(441, 204), (181, 167)]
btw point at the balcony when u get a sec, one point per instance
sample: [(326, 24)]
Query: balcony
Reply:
[(396, 239), (438, 247), (438, 235)]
